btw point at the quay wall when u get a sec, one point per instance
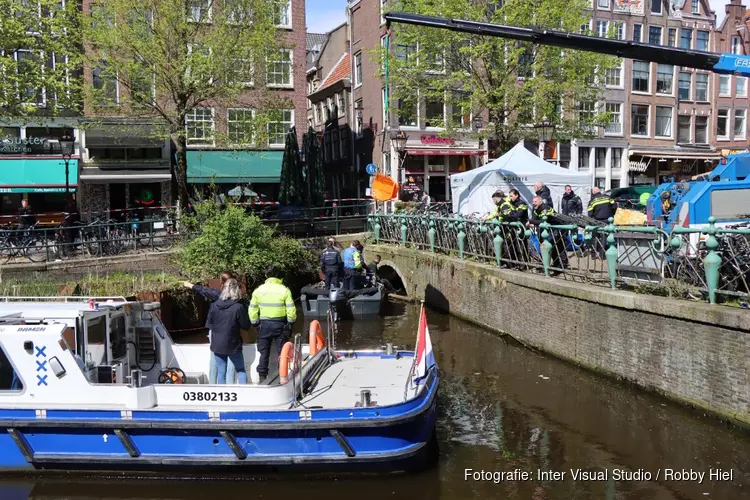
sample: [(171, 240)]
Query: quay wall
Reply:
[(694, 353)]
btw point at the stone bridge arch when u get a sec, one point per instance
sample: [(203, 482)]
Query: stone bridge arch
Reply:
[(389, 270)]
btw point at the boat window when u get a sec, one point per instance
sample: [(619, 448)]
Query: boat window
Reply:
[(9, 379), (96, 351), (117, 337)]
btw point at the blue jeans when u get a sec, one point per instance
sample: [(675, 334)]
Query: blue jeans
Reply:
[(238, 360), (231, 373)]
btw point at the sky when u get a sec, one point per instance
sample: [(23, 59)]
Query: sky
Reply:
[(324, 15)]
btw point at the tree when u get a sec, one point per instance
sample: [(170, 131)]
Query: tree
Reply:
[(39, 59), (516, 83), (174, 57)]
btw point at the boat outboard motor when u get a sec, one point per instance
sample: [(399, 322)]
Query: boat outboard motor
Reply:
[(333, 302)]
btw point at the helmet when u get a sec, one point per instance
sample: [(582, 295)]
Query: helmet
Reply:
[(666, 195)]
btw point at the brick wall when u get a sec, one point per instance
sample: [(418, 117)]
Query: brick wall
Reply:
[(693, 353)]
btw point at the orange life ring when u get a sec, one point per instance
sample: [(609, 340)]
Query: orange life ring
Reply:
[(317, 339), (286, 358)]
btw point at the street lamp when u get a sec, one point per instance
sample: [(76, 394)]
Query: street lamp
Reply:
[(544, 129), (398, 139), (67, 145)]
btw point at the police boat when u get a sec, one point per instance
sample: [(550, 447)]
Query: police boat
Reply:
[(362, 303), (98, 384)]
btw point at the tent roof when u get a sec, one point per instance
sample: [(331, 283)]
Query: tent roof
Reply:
[(518, 161)]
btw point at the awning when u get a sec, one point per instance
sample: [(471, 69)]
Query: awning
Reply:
[(234, 167), (96, 175), (683, 155), (445, 152), (37, 175)]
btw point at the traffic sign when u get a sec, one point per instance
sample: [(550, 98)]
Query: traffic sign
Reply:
[(371, 169)]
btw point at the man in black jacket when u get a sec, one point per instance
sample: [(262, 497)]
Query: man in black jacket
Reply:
[(571, 203), (515, 210), (601, 207), (558, 255), (331, 264), (543, 192)]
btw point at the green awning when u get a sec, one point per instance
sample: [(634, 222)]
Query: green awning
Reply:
[(234, 167), (36, 175)]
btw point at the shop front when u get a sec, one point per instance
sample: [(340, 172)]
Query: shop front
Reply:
[(429, 162), (250, 174), (648, 167)]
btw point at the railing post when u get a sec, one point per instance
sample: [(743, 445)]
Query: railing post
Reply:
[(498, 243), (403, 231), (612, 252), (545, 245), (461, 238), (712, 262), (377, 228), (431, 235)]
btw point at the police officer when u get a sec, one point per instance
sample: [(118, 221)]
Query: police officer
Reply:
[(514, 209), (272, 309), (558, 255), (498, 199), (352, 266), (601, 207), (330, 263)]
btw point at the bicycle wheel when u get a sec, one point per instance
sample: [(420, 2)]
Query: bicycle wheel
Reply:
[(35, 249), (7, 250)]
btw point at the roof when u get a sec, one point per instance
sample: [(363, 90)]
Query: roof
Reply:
[(341, 70), (314, 39)]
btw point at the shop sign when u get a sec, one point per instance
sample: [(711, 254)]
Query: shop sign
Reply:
[(437, 141), (10, 144)]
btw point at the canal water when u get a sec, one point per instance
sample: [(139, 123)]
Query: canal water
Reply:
[(504, 409)]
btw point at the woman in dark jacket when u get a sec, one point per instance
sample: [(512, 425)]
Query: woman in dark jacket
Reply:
[(226, 317)]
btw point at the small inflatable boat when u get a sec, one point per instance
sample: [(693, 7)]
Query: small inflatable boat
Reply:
[(363, 303)]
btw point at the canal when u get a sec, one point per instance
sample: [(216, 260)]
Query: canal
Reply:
[(503, 408)]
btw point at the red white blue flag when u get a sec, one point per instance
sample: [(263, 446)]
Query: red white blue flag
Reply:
[(424, 357)]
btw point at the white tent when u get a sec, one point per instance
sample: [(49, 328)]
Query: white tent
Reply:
[(519, 168)]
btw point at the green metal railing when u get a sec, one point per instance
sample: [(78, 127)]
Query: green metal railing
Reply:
[(708, 262)]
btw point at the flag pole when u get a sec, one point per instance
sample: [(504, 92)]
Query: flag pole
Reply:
[(414, 362)]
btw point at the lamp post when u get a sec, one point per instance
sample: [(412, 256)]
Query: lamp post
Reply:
[(302, 157), (544, 129), (67, 144), (398, 139)]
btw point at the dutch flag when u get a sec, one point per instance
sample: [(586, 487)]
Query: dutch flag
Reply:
[(424, 357)]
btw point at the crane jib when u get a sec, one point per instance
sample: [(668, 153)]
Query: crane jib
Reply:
[(718, 63)]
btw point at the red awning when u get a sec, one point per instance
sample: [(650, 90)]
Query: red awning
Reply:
[(444, 152)]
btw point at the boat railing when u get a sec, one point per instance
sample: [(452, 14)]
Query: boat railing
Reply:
[(114, 298), (297, 367)]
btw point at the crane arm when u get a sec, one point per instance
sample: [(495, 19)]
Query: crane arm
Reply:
[(718, 63)]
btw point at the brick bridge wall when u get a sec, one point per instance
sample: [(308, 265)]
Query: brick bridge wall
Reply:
[(691, 352)]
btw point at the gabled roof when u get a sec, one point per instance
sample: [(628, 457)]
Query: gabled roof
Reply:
[(340, 71), (313, 39)]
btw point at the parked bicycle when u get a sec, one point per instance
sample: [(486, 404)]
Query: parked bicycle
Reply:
[(22, 243)]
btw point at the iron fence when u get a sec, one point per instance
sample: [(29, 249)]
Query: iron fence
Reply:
[(695, 263)]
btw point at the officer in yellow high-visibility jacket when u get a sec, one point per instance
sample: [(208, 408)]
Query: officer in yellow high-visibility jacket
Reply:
[(272, 309)]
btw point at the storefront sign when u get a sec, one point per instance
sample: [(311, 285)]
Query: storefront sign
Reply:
[(16, 145), (435, 140), (629, 6)]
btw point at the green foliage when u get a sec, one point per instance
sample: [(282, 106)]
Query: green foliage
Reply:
[(109, 285), (231, 239), (39, 58), (516, 83)]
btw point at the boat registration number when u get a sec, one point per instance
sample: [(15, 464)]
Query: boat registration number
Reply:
[(209, 396)]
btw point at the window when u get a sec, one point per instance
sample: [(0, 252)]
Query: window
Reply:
[(686, 38), (199, 125), (282, 13), (526, 62), (656, 6), (280, 69), (701, 130), (664, 78), (684, 91), (736, 45), (639, 119), (663, 121), (199, 11), (142, 86), (725, 85), (701, 41), (240, 126), (9, 379), (340, 104), (722, 122), (237, 14), (740, 86), (29, 68), (740, 116), (434, 112), (584, 155), (619, 30), (601, 28), (279, 125), (637, 32), (614, 110), (602, 4), (613, 77), (641, 74), (105, 83), (654, 35), (683, 129), (460, 109), (600, 157), (616, 161), (701, 87), (672, 37), (407, 113), (601, 183), (241, 71), (586, 112), (585, 28), (358, 69), (696, 7)]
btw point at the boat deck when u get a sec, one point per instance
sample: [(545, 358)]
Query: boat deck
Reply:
[(340, 386)]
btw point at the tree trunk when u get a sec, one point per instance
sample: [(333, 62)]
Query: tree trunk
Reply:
[(180, 173)]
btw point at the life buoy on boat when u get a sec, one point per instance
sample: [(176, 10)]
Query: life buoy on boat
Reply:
[(317, 339), (286, 359), (172, 376)]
